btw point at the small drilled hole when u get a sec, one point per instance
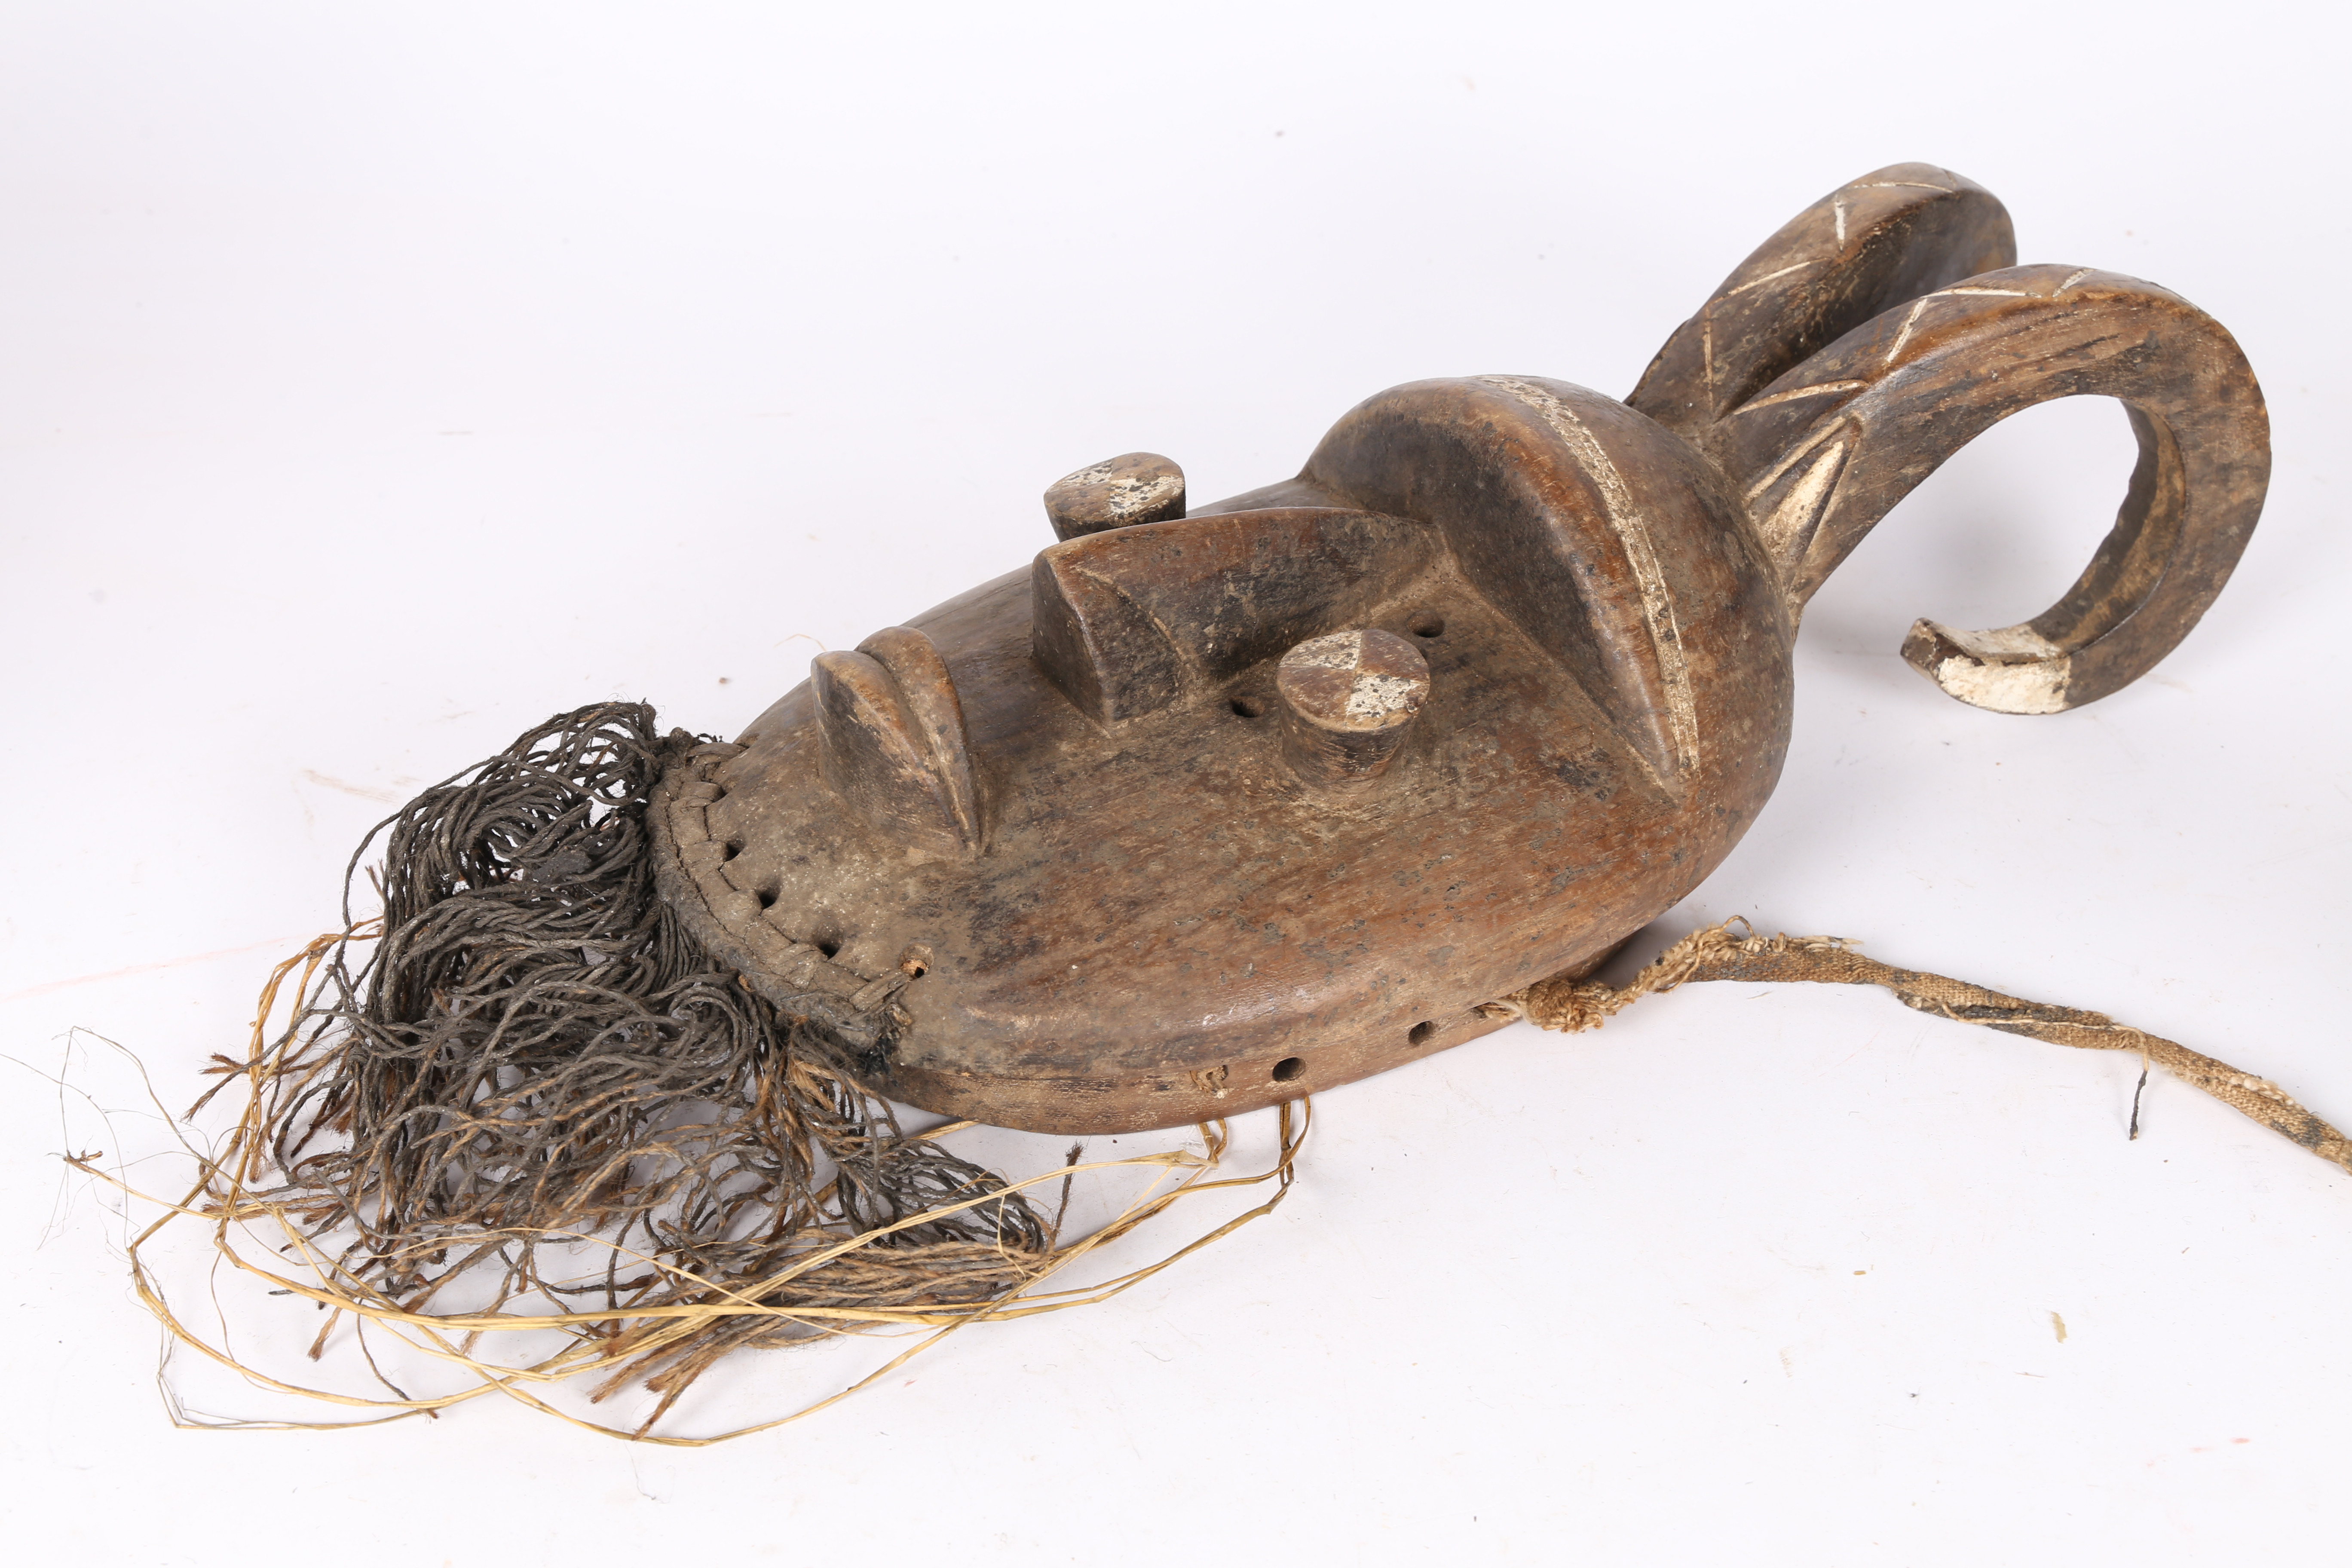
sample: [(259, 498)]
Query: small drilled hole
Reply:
[(1421, 1034), (1248, 708), (1288, 1069), (767, 899), (1426, 624), (734, 847), (916, 961), (828, 945)]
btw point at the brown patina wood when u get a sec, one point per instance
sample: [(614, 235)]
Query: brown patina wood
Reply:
[(1077, 851)]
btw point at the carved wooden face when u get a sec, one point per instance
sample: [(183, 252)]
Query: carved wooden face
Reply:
[(1207, 810), (1201, 811)]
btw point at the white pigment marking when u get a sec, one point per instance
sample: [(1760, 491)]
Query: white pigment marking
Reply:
[(1128, 497), (1335, 650), (1908, 323), (1822, 389), (1792, 458), (2005, 644), (2009, 669), (1789, 531), (2006, 688), (1376, 697), (1634, 536), (1783, 272), (1092, 475)]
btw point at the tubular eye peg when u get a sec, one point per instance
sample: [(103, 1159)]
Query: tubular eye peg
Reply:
[(1347, 701), (1119, 492)]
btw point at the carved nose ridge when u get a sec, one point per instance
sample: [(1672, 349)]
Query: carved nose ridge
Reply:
[(893, 744)]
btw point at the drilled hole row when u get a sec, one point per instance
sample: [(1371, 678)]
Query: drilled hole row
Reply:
[(827, 945), (1291, 1069), (916, 961)]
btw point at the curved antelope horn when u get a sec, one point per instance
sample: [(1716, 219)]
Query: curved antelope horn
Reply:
[(1867, 246), (1824, 450)]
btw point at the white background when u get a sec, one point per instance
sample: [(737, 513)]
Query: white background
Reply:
[(375, 381)]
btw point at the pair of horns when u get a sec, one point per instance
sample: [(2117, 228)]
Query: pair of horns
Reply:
[(1883, 328)]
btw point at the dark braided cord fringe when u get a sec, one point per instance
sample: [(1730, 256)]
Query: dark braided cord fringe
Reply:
[(535, 1050)]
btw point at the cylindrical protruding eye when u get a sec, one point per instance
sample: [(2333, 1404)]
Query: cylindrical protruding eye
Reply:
[(1119, 492), (1347, 701)]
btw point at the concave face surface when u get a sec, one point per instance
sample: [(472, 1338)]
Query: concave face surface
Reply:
[(1166, 915)]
